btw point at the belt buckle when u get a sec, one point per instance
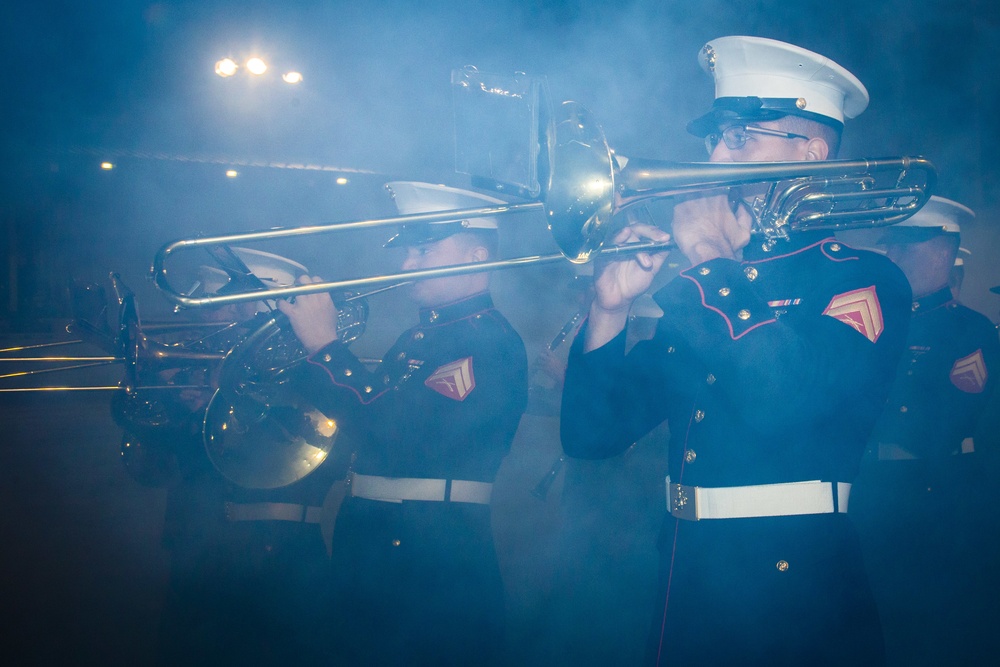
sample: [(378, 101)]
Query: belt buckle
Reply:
[(682, 502)]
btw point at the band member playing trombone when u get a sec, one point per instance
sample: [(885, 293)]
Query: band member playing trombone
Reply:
[(417, 578), (770, 363)]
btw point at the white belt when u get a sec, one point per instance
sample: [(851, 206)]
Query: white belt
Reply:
[(398, 489), (694, 503), (273, 512)]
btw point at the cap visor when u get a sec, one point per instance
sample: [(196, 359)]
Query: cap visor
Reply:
[(410, 235)]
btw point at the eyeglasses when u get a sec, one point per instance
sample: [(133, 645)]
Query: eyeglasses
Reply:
[(736, 136)]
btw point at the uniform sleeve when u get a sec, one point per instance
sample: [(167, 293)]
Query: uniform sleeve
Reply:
[(339, 384), (501, 394), (973, 376), (611, 399)]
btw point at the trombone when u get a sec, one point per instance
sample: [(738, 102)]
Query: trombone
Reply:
[(588, 185)]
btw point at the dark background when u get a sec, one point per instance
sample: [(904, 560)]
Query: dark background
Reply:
[(133, 83)]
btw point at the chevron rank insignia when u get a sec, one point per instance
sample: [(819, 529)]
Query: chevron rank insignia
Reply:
[(454, 380), (969, 373), (860, 310)]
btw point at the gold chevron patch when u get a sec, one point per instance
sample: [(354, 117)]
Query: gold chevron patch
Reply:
[(860, 310), (454, 380), (969, 373)]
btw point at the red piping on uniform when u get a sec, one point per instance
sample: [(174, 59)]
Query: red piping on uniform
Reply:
[(729, 323), (673, 548), (333, 379)]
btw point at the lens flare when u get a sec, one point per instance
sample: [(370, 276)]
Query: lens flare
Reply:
[(256, 66), (226, 67)]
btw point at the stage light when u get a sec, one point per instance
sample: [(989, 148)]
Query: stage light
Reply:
[(232, 173), (256, 66), (341, 181), (107, 166), (226, 67), (292, 77)]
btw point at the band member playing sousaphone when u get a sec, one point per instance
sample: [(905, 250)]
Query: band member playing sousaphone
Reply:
[(770, 363), (416, 575)]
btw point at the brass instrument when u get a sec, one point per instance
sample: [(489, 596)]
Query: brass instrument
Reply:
[(261, 434), (588, 185)]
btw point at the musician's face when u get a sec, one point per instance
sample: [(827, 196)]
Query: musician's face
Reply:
[(455, 249), (762, 147)]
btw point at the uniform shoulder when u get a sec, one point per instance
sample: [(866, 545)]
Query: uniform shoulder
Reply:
[(496, 318), (862, 258), (973, 319)]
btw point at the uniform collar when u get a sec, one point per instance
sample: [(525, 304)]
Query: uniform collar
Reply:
[(932, 300), (456, 310)]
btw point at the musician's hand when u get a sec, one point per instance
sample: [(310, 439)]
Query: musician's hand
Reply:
[(706, 228), (621, 281), (313, 317)]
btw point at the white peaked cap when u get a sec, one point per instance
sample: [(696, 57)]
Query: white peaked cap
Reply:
[(273, 270), (413, 197), (763, 78), (942, 214)]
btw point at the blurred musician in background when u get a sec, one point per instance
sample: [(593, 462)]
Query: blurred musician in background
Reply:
[(248, 567), (925, 498), (770, 363), (609, 510), (417, 580)]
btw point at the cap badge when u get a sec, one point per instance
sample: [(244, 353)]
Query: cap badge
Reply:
[(708, 53), (860, 310), (800, 103), (969, 373), (454, 380)]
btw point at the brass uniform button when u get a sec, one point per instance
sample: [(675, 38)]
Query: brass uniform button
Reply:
[(348, 372), (690, 456), (396, 543), (835, 247), (710, 379), (800, 103), (699, 415), (743, 314), (903, 408), (327, 357), (751, 273), (724, 291), (782, 565), (704, 270), (368, 390), (418, 336)]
